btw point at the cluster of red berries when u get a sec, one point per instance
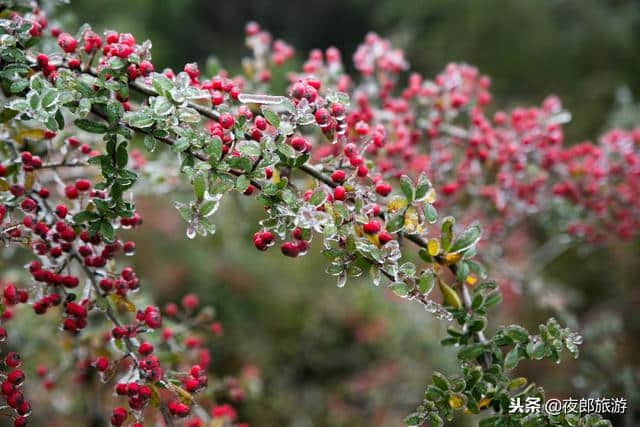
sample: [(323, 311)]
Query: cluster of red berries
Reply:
[(376, 53), (12, 380), (297, 247), (260, 41)]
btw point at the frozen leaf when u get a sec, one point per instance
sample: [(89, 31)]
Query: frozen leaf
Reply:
[(447, 233), (407, 187), (412, 221), (450, 296), (400, 288), (468, 238), (426, 282), (271, 117)]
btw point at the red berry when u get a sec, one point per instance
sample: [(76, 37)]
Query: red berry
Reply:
[(339, 193), (16, 377), (226, 120), (71, 192), (290, 249), (362, 128), (383, 188), (101, 364), (13, 359), (146, 68), (83, 184), (338, 176), (118, 416), (145, 349), (371, 227), (322, 116), (384, 237), (67, 42), (190, 301), (300, 144), (61, 211)]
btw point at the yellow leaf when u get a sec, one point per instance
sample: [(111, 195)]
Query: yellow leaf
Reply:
[(184, 395), (29, 180), (470, 280), (396, 204), (412, 221), (455, 401), (275, 178), (517, 383), (30, 134), (431, 196), (4, 185), (433, 247), (483, 403), (155, 396), (358, 230), (450, 296), (122, 303), (451, 258), (373, 238)]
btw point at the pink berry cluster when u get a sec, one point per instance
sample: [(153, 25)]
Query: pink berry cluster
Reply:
[(12, 377), (77, 274)]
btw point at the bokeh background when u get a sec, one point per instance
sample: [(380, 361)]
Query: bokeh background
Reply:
[(356, 356)]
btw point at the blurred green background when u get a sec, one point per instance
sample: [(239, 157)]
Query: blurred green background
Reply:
[(356, 356)]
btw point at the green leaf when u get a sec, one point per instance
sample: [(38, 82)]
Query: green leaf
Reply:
[(471, 351), (426, 282), (242, 183), (395, 223), (18, 86), (511, 359), (517, 333), (214, 150), (84, 216), (318, 198), (467, 239), (7, 114), (424, 185), (181, 145), (492, 299), (430, 213), (161, 83), (537, 350), (122, 156), (139, 119), (150, 143), (407, 187), (413, 420), (447, 233), (248, 148), (271, 117), (207, 207), (440, 381), (188, 115), (91, 126), (400, 288), (114, 111), (199, 185), (162, 107), (106, 230)]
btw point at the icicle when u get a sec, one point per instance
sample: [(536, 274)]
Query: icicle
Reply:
[(252, 98)]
